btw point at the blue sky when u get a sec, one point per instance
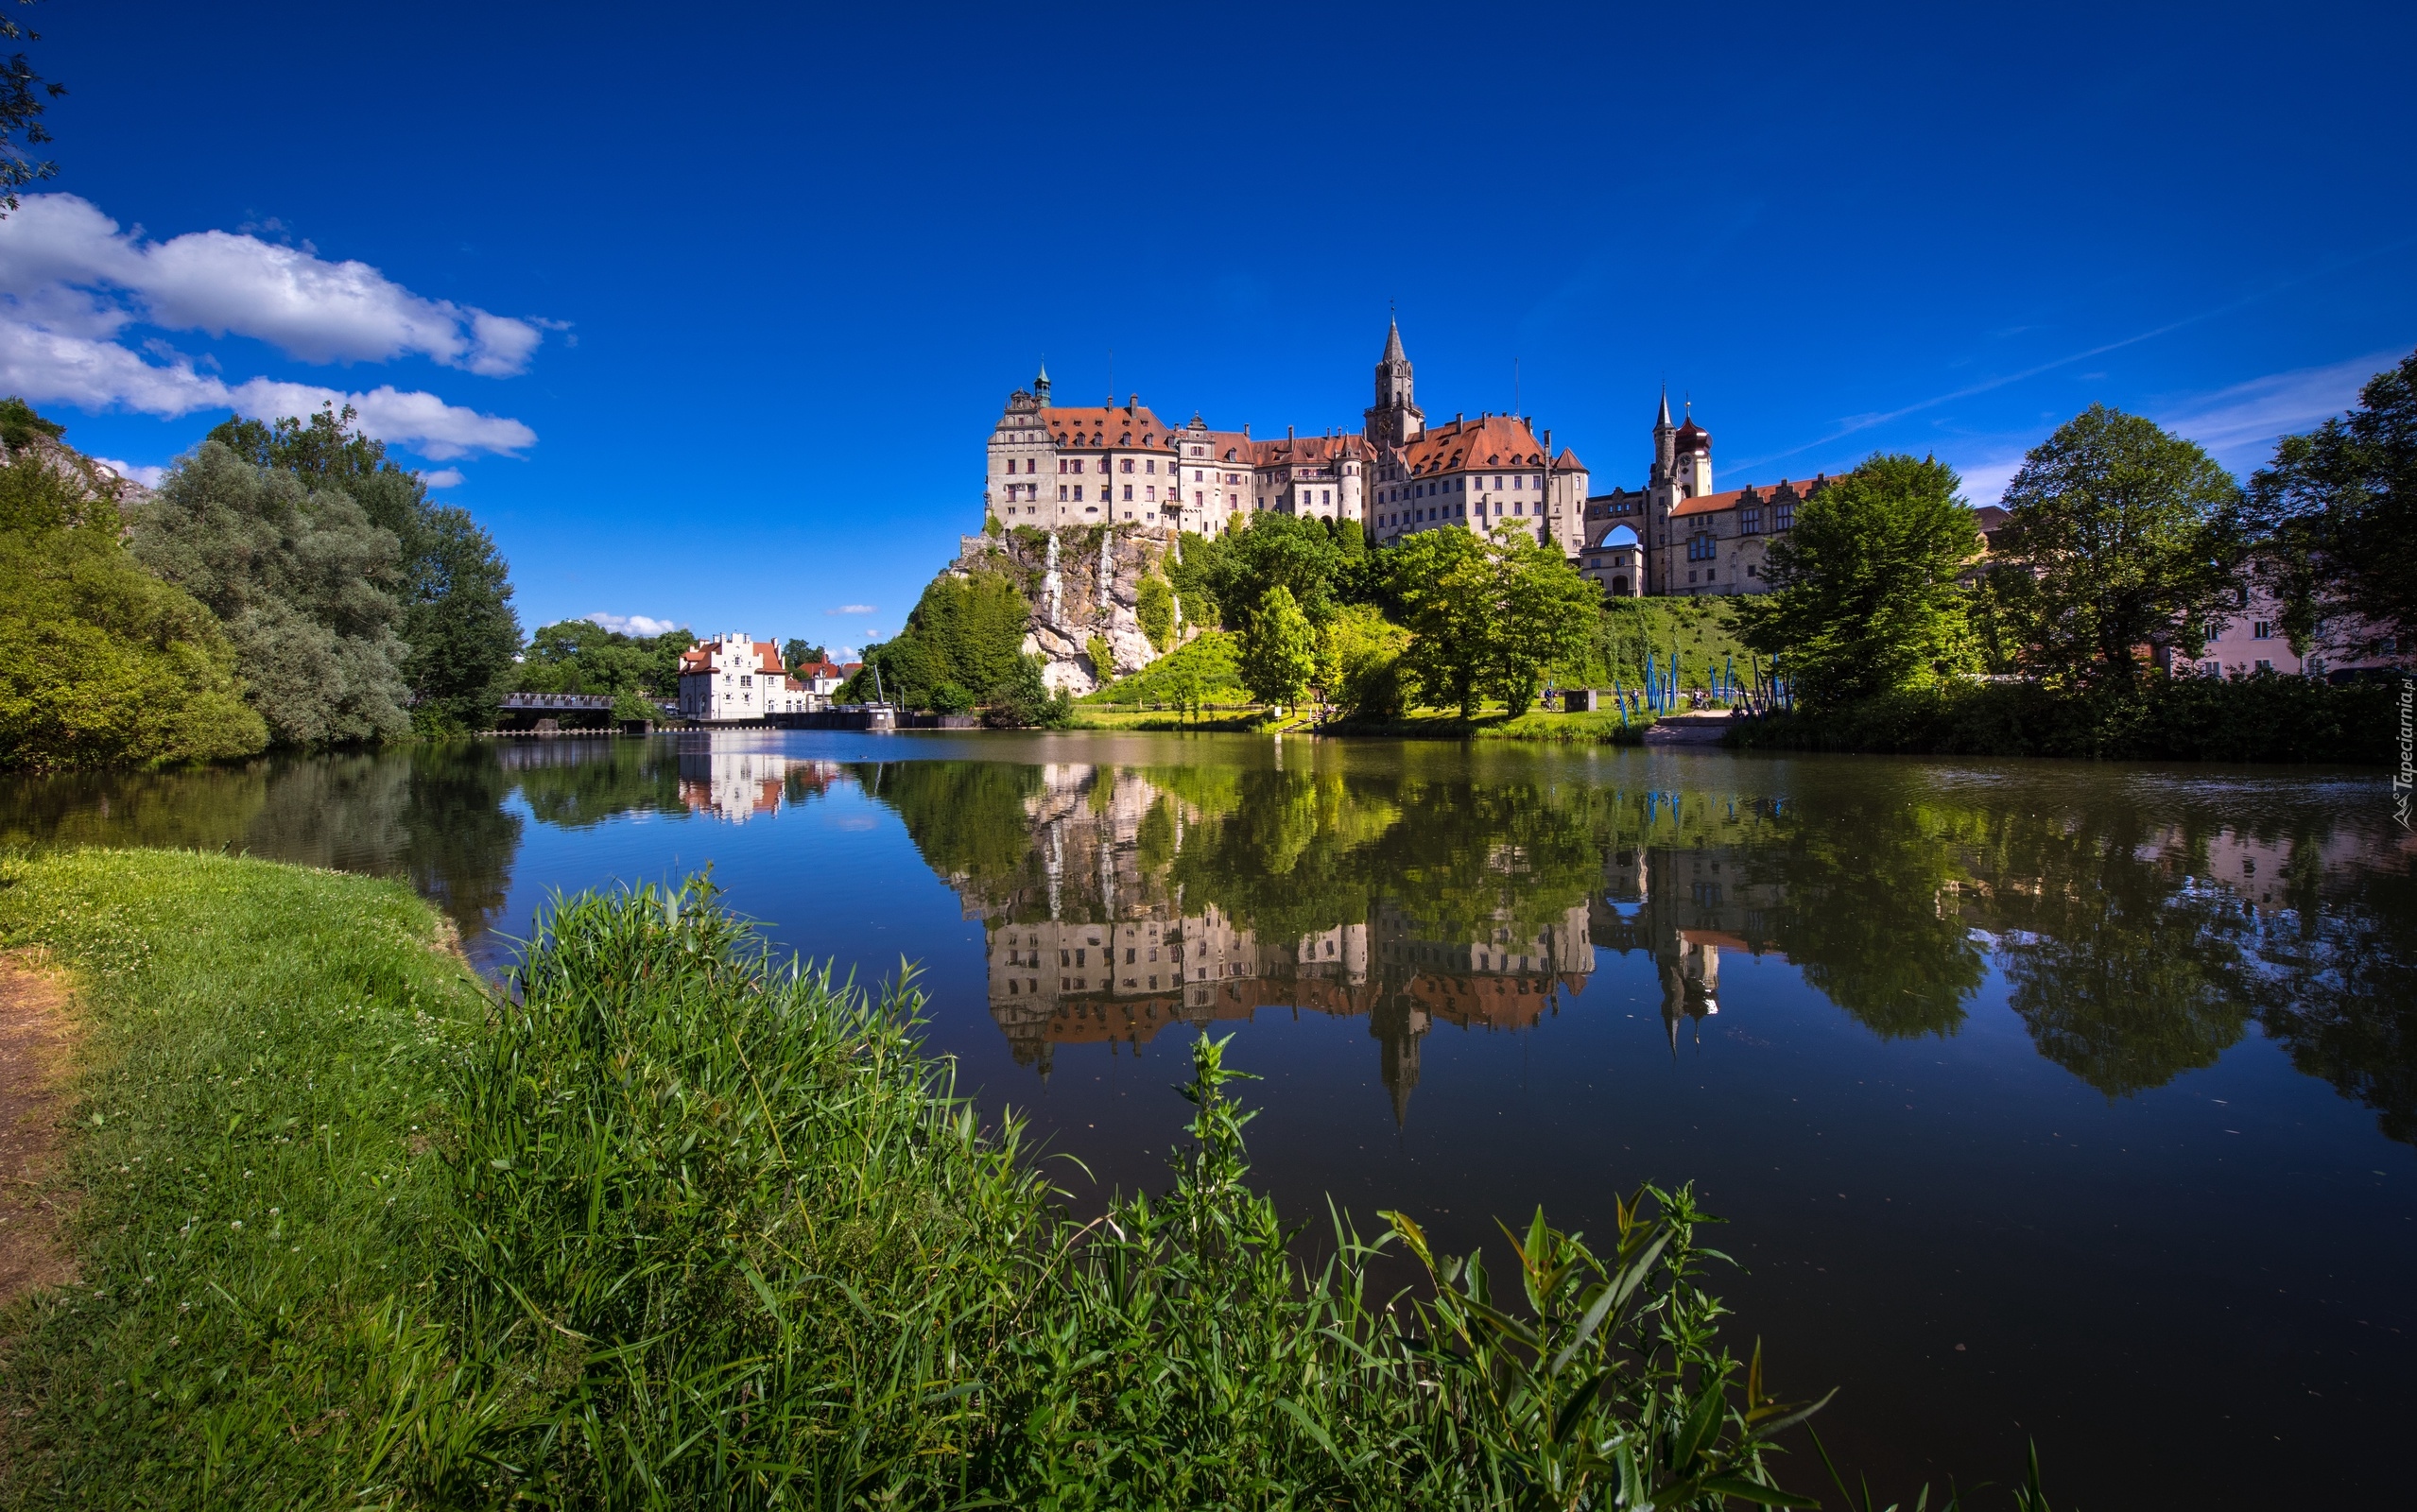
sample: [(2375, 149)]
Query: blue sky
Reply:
[(710, 309)]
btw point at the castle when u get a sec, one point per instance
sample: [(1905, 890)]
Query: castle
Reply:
[(1052, 467)]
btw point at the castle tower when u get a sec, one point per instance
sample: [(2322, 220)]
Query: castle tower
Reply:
[(1041, 391), (1395, 418), (1692, 447)]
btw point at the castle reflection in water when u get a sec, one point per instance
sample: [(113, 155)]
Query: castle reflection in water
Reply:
[(1103, 947)]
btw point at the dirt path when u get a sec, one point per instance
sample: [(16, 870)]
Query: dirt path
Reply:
[(36, 1035)]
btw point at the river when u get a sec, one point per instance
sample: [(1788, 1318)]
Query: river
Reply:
[(2042, 1100)]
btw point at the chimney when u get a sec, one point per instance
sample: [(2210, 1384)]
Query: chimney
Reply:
[(1132, 402), (1246, 430), (1287, 432), (1459, 416)]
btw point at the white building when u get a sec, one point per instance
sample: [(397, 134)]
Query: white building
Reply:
[(733, 676)]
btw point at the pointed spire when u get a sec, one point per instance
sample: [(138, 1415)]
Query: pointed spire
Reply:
[(1664, 422), (1393, 342)]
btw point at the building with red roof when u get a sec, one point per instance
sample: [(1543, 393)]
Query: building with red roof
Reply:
[(736, 677), (1054, 466), (1678, 535)]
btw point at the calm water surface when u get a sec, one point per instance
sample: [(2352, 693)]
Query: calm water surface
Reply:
[(2043, 1100)]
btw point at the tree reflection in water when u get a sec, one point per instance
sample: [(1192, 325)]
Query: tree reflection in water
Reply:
[(2140, 921), (2137, 939)]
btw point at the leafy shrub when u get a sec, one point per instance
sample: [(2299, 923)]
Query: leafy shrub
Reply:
[(951, 698), (1154, 611), (1024, 701)]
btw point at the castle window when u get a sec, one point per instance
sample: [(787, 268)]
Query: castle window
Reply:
[(1749, 522), (1127, 465), (1128, 493), (1062, 464), (1782, 516), (1062, 494), (1078, 493)]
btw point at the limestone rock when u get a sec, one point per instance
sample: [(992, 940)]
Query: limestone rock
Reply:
[(1101, 570)]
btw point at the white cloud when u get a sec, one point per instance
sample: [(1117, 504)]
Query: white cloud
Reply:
[(147, 476), (58, 367), (2239, 424), (850, 609), (66, 266), (634, 624), (1985, 480), (443, 478)]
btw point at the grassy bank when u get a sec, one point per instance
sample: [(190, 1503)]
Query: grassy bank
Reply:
[(674, 1224), (261, 1196), (2254, 719)]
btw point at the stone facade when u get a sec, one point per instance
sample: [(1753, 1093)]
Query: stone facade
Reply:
[(1677, 535)]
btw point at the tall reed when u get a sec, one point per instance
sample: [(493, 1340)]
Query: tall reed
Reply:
[(730, 1239)]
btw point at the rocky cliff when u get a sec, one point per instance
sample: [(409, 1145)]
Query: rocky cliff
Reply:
[(1081, 583)]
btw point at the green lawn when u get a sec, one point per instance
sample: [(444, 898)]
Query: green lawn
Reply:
[(261, 1085)]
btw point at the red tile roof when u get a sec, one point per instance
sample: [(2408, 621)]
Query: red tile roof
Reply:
[(1107, 426), (699, 658), (1308, 451), (1567, 462), (1490, 440), (1714, 503)]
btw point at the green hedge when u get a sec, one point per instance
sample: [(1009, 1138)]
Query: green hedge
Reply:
[(2252, 720)]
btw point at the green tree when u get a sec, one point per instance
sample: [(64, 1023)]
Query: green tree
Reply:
[(101, 663), (1192, 570), (454, 586), (1444, 584), (306, 585), (1865, 596), (458, 627), (23, 97), (1279, 649), (2339, 513), (2121, 536), (1489, 615), (797, 652), (1547, 615), (580, 656), (967, 628), (1359, 663), (1297, 554), (1154, 609)]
